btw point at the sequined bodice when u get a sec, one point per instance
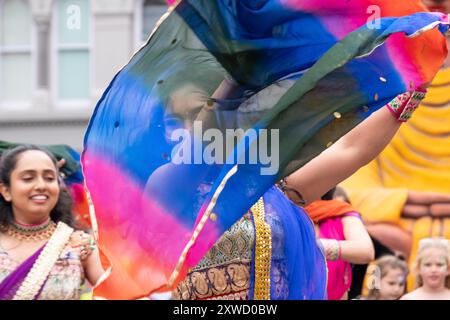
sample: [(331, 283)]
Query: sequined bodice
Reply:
[(223, 273)]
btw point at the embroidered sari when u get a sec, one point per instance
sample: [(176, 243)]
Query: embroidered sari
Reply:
[(28, 280), (270, 253), (10, 285)]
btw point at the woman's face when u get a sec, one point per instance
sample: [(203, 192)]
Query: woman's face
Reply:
[(184, 105), (433, 268), (34, 188), (392, 285)]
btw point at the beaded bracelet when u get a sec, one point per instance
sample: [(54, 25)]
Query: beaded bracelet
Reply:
[(339, 250), (332, 249), (403, 106)]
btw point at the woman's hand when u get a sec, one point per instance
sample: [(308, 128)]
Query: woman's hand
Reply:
[(61, 163), (84, 242), (89, 255)]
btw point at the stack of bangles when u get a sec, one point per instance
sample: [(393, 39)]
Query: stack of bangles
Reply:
[(87, 249), (332, 249), (403, 106)]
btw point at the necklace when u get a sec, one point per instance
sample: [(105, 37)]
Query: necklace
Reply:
[(12, 248), (23, 227), (23, 232)]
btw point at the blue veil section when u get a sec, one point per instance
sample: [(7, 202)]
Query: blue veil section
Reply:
[(298, 270)]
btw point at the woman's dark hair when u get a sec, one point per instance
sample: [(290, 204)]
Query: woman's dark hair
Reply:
[(8, 161), (329, 195), (341, 194)]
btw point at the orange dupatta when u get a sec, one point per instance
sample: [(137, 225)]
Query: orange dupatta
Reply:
[(323, 209)]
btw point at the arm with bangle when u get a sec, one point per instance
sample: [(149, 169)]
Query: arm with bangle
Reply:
[(357, 247), (354, 150)]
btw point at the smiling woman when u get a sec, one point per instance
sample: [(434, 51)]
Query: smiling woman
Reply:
[(34, 187), (39, 247)]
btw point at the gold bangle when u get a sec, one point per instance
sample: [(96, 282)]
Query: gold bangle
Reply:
[(283, 184)]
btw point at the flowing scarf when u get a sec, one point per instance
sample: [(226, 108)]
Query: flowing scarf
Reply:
[(164, 186)]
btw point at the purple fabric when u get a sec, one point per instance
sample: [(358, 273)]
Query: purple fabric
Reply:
[(339, 271), (11, 283)]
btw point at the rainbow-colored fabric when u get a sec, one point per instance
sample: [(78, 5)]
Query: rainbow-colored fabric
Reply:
[(304, 74)]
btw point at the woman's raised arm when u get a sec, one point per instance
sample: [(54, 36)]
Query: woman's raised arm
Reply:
[(354, 150)]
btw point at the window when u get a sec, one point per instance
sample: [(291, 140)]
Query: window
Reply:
[(17, 54), (148, 14), (72, 53)]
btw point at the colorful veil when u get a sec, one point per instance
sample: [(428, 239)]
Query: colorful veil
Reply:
[(301, 73)]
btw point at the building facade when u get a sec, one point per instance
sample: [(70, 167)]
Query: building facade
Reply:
[(58, 56)]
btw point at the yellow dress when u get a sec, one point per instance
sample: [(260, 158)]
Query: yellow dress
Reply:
[(418, 158)]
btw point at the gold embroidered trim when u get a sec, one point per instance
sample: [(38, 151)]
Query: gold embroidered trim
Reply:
[(263, 252), (200, 226), (243, 295), (226, 279), (44, 263)]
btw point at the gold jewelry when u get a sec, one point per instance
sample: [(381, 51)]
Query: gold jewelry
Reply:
[(29, 228), (263, 252), (22, 234), (36, 277), (286, 189), (12, 248)]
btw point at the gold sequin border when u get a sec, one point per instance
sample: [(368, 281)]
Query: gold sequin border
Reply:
[(263, 252)]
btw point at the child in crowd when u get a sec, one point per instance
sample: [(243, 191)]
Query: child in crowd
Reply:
[(387, 278), (432, 269)]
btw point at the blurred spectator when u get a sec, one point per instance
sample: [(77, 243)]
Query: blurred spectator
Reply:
[(432, 271), (344, 239), (387, 278)]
